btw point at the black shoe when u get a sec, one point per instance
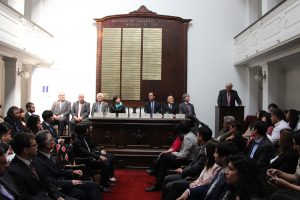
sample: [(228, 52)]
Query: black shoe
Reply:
[(105, 189), (150, 171), (152, 189)]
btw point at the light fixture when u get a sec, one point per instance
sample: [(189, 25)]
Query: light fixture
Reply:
[(23, 74), (260, 75)]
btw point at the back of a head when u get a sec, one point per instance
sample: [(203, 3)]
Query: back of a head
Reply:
[(261, 127), (81, 129), (47, 114), (206, 133), (226, 148), (279, 114), (184, 127), (21, 141), (4, 128)]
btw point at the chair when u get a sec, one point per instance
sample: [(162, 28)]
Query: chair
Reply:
[(89, 173)]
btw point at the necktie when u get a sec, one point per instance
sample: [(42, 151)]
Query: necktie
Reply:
[(87, 145), (79, 109), (228, 98), (99, 107), (188, 108), (152, 107), (5, 195), (33, 170)]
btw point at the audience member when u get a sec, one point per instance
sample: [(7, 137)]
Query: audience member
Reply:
[(227, 122), (170, 107), (61, 111), (235, 135), (5, 135), (287, 157), (29, 180), (261, 149), (277, 117), (272, 106), (22, 116), (152, 106), (83, 148), (47, 124), (8, 189), (187, 152), (266, 117), (243, 179), (209, 172), (228, 96), (175, 184), (287, 185), (186, 107), (13, 119), (80, 112), (30, 110), (34, 123), (217, 187), (99, 105), (66, 179), (292, 118), (117, 106)]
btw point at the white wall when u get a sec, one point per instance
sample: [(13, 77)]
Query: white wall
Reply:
[(292, 88), (210, 45)]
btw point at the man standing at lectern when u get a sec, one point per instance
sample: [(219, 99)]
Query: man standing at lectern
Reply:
[(228, 96)]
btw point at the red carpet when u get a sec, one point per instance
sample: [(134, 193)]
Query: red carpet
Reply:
[(131, 186)]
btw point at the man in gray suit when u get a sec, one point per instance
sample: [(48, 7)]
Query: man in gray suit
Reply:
[(80, 112), (186, 107), (99, 105), (61, 111)]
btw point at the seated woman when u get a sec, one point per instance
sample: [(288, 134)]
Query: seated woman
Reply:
[(292, 117), (34, 123), (287, 158), (117, 106), (288, 185), (209, 171), (243, 179)]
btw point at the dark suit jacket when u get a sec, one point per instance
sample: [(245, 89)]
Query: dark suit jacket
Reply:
[(167, 109), (157, 107), (183, 109), (104, 107), (114, 109), (53, 173), (234, 97), (9, 185), (264, 152), (286, 162), (4, 146), (17, 125), (51, 129), (29, 187), (197, 165), (26, 117), (85, 109), (81, 150)]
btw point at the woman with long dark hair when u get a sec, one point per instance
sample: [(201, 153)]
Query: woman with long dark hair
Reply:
[(34, 123), (292, 117)]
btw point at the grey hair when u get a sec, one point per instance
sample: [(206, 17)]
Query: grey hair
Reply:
[(185, 95), (229, 119)]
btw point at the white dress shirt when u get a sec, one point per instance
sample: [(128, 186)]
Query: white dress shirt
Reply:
[(274, 137)]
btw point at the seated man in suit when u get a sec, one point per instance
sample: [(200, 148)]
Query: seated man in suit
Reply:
[(61, 111), (8, 189), (261, 148), (80, 112), (170, 107), (99, 105), (62, 178), (83, 148), (175, 184), (186, 107), (228, 96), (28, 178), (13, 119), (48, 122), (152, 106), (30, 110)]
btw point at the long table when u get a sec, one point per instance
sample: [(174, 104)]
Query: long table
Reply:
[(135, 142)]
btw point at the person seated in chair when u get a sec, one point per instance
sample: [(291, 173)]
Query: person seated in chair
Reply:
[(13, 119), (83, 148), (80, 112), (30, 107), (152, 106), (117, 106), (170, 107), (47, 124), (66, 179)]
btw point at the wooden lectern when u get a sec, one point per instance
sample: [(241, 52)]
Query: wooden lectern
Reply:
[(222, 111)]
